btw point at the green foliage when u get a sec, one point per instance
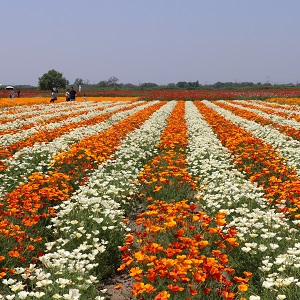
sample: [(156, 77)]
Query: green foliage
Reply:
[(52, 79)]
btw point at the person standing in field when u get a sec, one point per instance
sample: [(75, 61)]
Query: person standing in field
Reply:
[(53, 96), (12, 94), (18, 93), (84, 97), (72, 94), (68, 95)]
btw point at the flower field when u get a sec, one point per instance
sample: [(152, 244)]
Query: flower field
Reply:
[(254, 93), (190, 199)]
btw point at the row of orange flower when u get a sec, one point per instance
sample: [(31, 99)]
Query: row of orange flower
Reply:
[(284, 100), (260, 161), (7, 103), (179, 252)]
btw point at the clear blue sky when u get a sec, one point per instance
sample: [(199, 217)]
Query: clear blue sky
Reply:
[(159, 41)]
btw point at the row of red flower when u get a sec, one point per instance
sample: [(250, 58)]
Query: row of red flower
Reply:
[(170, 94)]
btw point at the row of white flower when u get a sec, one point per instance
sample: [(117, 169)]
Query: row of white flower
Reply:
[(25, 111), (10, 138), (285, 145), (39, 157), (46, 114), (267, 239), (274, 117), (285, 108), (94, 214)]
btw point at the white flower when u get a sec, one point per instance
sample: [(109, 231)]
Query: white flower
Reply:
[(274, 246), (279, 260), (267, 284), (63, 282), (39, 294), (19, 270), (246, 249), (17, 287), (262, 247), (23, 294), (93, 278), (98, 220), (73, 294), (280, 297), (8, 281)]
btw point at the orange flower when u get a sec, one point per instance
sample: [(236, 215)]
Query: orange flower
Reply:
[(247, 274), (179, 233), (232, 241), (14, 253), (193, 292), (129, 238), (175, 288), (157, 188), (30, 247), (170, 223), (203, 244), (228, 295), (151, 275), (135, 272), (243, 287), (206, 291), (162, 296)]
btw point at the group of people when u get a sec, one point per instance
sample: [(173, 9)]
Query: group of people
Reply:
[(12, 94), (70, 95)]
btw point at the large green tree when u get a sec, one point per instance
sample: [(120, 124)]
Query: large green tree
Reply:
[(52, 79)]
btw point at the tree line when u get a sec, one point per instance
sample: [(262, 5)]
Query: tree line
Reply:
[(54, 78)]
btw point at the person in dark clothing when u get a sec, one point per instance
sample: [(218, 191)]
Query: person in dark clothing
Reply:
[(72, 94), (53, 96)]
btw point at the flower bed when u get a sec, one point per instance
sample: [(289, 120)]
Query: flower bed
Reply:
[(191, 199)]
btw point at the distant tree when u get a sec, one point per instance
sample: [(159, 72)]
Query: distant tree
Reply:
[(52, 79), (171, 85), (182, 84), (102, 83), (148, 85), (128, 85), (78, 81), (218, 85), (112, 81), (193, 84)]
